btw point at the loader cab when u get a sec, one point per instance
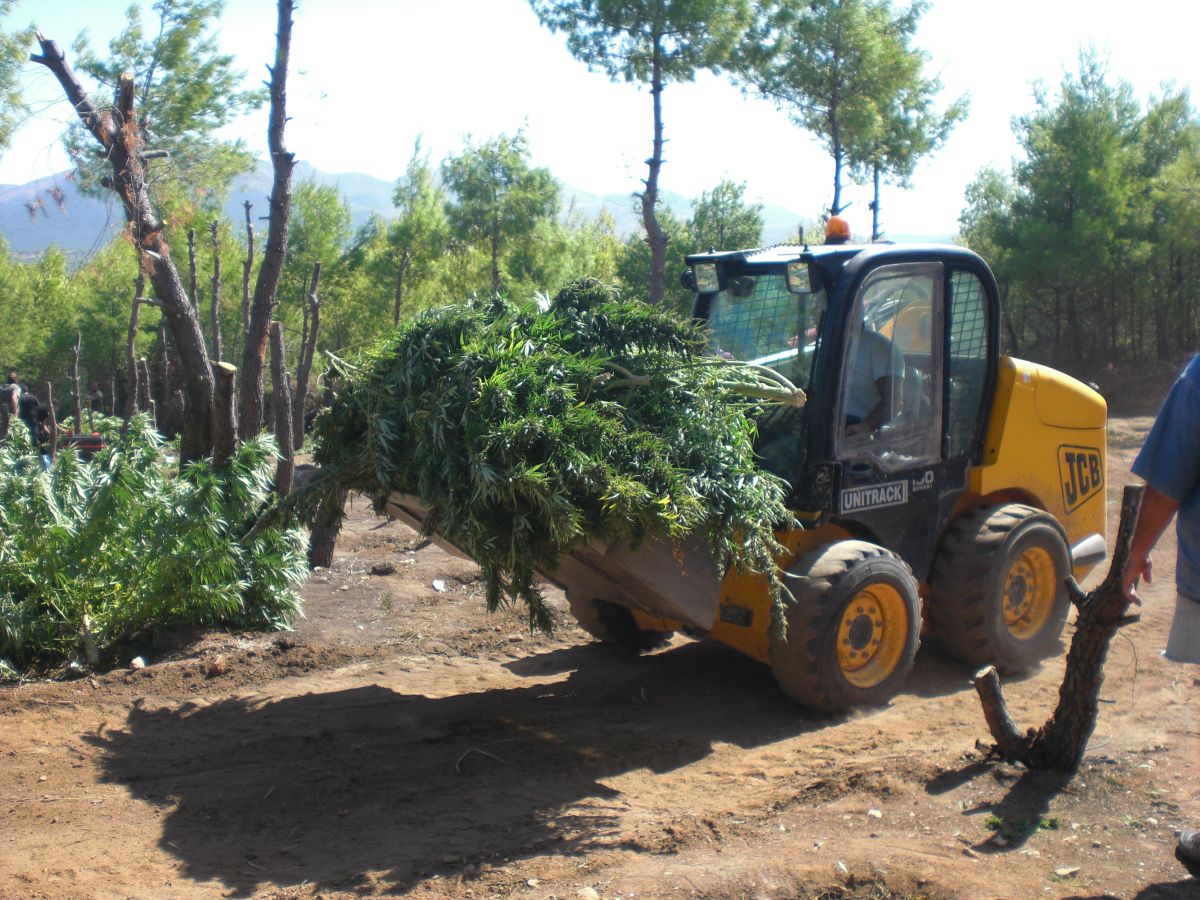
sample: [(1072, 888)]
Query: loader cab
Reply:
[(896, 348)]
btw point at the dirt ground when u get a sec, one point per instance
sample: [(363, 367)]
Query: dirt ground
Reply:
[(400, 741)]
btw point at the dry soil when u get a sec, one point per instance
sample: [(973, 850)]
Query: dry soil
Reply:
[(401, 741)]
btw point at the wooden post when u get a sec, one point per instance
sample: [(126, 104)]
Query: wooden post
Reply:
[(286, 467)]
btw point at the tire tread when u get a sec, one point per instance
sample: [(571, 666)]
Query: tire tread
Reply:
[(963, 576)]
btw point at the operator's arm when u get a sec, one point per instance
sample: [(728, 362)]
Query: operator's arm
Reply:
[(883, 409), (1155, 515), (889, 365)]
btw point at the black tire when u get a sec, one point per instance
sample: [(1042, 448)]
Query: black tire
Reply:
[(614, 624), (998, 587), (853, 627)]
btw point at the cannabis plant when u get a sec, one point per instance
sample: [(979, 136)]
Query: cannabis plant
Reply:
[(96, 553), (528, 431)]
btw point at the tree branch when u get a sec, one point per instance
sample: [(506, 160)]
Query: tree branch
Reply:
[(52, 58)]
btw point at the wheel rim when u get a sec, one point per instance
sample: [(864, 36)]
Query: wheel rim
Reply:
[(871, 635), (1029, 592)]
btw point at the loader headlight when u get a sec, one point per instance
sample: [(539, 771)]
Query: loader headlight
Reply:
[(704, 277)]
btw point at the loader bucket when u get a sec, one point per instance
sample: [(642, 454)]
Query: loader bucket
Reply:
[(680, 582)]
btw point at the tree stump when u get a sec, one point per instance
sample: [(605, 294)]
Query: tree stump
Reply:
[(1060, 743)]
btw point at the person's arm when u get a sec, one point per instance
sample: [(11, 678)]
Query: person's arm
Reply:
[(891, 374), (883, 409), (1155, 515)]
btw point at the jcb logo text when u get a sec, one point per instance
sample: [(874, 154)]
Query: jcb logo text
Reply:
[(1081, 473)]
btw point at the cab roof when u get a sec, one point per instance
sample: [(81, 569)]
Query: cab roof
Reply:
[(777, 254), (832, 255)]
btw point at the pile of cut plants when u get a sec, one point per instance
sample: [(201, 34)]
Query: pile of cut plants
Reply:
[(530, 428), (96, 555)]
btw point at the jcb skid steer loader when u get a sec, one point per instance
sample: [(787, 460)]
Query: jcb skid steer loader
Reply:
[(932, 481)]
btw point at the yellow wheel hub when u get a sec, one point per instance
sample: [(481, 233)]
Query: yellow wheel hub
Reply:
[(871, 635), (1029, 592)]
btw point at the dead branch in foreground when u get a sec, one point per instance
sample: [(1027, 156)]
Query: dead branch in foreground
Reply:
[(1060, 743)]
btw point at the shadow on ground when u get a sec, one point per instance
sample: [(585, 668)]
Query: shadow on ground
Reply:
[(325, 787)]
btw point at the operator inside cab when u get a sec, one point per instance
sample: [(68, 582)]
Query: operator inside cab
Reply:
[(877, 365)]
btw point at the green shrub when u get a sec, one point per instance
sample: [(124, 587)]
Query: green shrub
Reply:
[(93, 554)]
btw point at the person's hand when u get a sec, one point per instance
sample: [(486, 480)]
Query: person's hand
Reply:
[(1135, 568)]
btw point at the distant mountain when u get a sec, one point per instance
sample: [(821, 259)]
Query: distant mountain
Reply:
[(31, 219)]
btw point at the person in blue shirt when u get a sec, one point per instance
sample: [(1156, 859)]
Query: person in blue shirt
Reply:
[(875, 374), (1169, 463)]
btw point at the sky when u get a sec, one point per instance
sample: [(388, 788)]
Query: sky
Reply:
[(370, 76)]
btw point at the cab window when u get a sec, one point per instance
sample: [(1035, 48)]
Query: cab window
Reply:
[(968, 361), (757, 319), (889, 407)]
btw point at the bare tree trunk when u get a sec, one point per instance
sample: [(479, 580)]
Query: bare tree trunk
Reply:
[(120, 137), (192, 269), (398, 293), (323, 530), (165, 370), (1060, 743), (875, 207), (52, 420), (308, 345), (247, 267), (263, 307), (286, 467), (75, 405), (654, 233), (1014, 345), (215, 315), (224, 425), (147, 400), (495, 246), (131, 365), (835, 140)]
